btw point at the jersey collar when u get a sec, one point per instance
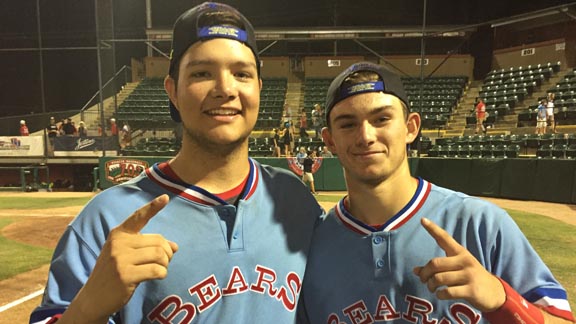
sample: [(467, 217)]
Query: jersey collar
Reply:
[(393, 223), (162, 174)]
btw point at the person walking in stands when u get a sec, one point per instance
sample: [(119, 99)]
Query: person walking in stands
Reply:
[(541, 117), (210, 236), (24, 129), (400, 249), (480, 116)]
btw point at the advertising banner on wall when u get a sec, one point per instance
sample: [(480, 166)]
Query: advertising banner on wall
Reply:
[(89, 143), (25, 146)]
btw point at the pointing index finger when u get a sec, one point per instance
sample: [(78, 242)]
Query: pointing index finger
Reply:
[(136, 222), (444, 240)]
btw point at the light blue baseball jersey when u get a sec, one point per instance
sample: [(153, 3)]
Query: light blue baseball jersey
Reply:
[(360, 274), (254, 277)]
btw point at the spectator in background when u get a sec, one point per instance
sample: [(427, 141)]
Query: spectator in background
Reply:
[(125, 136), (326, 153), (82, 131), (68, 128), (301, 155), (52, 133), (276, 142), (52, 129), (287, 139), (541, 117), (303, 133), (303, 120), (480, 116), (307, 175), (24, 129), (113, 127), (317, 121), (74, 127), (61, 127), (550, 111), (286, 117)]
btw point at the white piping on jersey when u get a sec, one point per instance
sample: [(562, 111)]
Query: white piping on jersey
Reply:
[(197, 194), (561, 305), (393, 223)]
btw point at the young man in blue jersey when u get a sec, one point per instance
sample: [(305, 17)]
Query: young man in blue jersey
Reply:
[(400, 249), (210, 236)]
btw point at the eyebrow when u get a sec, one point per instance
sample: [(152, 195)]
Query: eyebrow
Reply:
[(240, 63), (372, 112)]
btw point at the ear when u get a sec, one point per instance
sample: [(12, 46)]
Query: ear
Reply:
[(327, 138), (413, 127), (170, 87)]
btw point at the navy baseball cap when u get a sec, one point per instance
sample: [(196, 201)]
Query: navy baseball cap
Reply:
[(388, 82), (187, 31)]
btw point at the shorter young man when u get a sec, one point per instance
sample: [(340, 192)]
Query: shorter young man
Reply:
[(379, 256)]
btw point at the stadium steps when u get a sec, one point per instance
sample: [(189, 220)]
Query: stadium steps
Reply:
[(457, 124), (94, 121), (294, 99)]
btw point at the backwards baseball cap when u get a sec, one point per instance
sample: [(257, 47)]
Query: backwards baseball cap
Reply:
[(388, 82), (188, 30)]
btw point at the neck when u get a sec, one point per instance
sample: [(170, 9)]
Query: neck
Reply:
[(211, 171), (376, 204)]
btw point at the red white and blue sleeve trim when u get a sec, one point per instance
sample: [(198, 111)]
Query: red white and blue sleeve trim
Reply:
[(50, 316), (393, 223), (551, 300), (159, 173)]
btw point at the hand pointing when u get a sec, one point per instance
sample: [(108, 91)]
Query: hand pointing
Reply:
[(459, 275), (127, 259)]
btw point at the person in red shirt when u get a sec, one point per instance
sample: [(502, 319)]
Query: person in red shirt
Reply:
[(480, 116), (113, 127), (23, 128)]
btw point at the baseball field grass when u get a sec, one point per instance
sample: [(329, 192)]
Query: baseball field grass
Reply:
[(554, 240)]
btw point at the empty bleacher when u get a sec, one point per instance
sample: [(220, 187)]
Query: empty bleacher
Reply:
[(554, 146), (146, 106), (272, 98), (435, 98)]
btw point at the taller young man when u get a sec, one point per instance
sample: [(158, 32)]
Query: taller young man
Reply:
[(218, 239), (380, 257)]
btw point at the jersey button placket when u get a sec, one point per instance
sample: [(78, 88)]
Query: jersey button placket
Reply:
[(379, 253)]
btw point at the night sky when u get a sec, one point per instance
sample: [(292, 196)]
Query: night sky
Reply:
[(71, 76)]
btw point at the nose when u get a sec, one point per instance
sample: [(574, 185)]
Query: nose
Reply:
[(224, 86), (366, 135)]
